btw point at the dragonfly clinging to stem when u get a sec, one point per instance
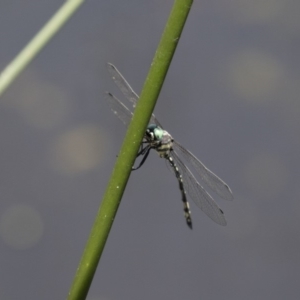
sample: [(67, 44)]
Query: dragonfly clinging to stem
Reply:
[(177, 156)]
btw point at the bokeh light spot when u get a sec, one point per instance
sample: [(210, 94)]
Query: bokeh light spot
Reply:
[(254, 76), (256, 11), (78, 150), (21, 227), (41, 103)]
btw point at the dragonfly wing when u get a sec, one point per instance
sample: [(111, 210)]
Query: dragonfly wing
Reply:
[(118, 108), (126, 89), (202, 199), (209, 178), (122, 84)]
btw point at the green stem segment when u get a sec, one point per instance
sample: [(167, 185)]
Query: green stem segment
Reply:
[(38, 42), (129, 149)]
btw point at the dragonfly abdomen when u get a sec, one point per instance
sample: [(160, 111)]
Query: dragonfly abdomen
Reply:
[(186, 206)]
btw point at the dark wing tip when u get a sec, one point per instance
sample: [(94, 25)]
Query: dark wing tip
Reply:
[(110, 65), (229, 195)]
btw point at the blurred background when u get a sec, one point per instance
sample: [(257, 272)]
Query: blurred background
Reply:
[(231, 96)]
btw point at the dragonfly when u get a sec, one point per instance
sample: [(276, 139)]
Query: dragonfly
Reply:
[(177, 156)]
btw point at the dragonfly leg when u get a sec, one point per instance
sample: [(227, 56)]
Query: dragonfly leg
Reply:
[(142, 149), (144, 152)]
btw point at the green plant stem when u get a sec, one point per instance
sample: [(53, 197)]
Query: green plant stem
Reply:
[(32, 49), (129, 149)]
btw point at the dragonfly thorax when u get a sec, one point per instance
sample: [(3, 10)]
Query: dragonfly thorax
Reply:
[(159, 139)]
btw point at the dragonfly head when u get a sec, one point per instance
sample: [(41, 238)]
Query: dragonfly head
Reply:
[(154, 133)]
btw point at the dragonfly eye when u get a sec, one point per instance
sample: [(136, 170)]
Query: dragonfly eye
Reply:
[(154, 133), (149, 134), (158, 133)]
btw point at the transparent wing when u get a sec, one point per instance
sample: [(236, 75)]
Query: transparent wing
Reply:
[(198, 194), (119, 109), (126, 89), (209, 178), (122, 84)]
